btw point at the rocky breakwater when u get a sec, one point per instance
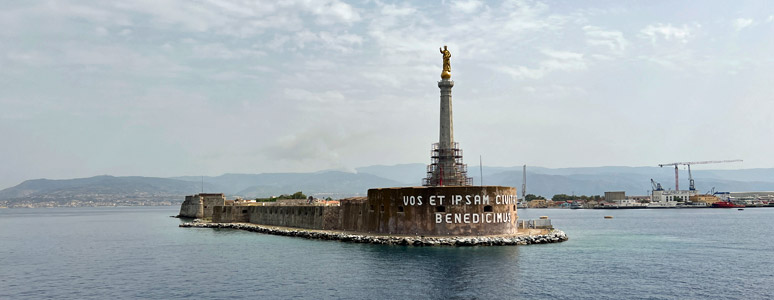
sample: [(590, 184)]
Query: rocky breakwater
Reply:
[(554, 236)]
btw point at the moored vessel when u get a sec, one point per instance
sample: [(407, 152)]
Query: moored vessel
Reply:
[(726, 204)]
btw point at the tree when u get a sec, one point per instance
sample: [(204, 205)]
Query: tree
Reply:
[(530, 197), (562, 197)]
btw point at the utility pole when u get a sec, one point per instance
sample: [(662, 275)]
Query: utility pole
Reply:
[(524, 184), (481, 169)]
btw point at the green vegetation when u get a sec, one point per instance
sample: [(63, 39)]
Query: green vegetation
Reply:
[(296, 195), (530, 197)]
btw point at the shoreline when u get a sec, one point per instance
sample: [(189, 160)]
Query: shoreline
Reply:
[(553, 236)]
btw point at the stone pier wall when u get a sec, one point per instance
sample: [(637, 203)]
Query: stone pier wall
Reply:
[(308, 216)]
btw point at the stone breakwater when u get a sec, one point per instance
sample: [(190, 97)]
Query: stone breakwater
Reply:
[(554, 236)]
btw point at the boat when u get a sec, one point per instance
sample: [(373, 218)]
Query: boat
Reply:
[(726, 204)]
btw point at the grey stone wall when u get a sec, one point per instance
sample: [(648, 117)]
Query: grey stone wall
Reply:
[(209, 203), (192, 207), (388, 211), (231, 214), (288, 216)]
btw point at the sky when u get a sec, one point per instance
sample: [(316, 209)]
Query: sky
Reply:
[(206, 87)]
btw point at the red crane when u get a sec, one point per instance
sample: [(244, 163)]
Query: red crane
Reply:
[(690, 177)]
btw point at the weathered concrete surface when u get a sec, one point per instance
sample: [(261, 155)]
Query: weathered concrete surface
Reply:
[(391, 211), (535, 236), (192, 207), (210, 201), (231, 214), (301, 216)]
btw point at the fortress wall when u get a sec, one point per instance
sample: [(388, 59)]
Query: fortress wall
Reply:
[(209, 203), (332, 217), (422, 211), (231, 214), (192, 207), (310, 217), (351, 215), (447, 210)]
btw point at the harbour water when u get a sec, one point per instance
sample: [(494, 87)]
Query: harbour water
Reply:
[(139, 252)]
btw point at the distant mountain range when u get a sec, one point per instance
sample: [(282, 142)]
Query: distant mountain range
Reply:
[(134, 190)]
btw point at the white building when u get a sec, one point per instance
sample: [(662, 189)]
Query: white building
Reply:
[(661, 196)]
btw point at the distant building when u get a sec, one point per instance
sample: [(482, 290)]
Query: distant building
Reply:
[(672, 196), (537, 203), (613, 196), (619, 198), (708, 199)]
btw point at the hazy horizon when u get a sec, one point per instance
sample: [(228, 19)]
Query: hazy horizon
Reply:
[(177, 88), (473, 171)]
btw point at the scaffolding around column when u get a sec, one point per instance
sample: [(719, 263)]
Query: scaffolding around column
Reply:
[(446, 167)]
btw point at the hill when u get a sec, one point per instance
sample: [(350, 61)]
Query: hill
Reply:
[(135, 190), (97, 191)]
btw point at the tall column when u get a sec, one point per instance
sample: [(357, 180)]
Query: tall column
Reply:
[(446, 167), (447, 123)]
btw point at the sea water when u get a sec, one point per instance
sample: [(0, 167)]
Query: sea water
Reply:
[(139, 252)]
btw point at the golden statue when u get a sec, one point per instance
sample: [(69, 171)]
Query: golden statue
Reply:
[(446, 74)]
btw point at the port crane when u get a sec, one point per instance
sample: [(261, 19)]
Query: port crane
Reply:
[(690, 177), (656, 186)]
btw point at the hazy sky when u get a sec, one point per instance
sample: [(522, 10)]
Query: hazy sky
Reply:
[(182, 87)]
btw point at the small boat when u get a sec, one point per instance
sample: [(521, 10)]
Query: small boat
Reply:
[(740, 209), (725, 204)]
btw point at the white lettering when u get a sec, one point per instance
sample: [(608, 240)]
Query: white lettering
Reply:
[(432, 200), (457, 218), (499, 218), (438, 218), (488, 219), (467, 218), (497, 199), (448, 218), (419, 200), (440, 199), (467, 199), (476, 218), (486, 199)]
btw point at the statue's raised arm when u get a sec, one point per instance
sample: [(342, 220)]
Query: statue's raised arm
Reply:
[(446, 73)]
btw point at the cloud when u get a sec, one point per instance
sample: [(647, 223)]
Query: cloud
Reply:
[(222, 51), (331, 11), (742, 23), (610, 39), (556, 61), (667, 32), (467, 6)]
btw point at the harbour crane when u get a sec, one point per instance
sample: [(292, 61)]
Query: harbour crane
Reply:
[(656, 186), (690, 177)]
